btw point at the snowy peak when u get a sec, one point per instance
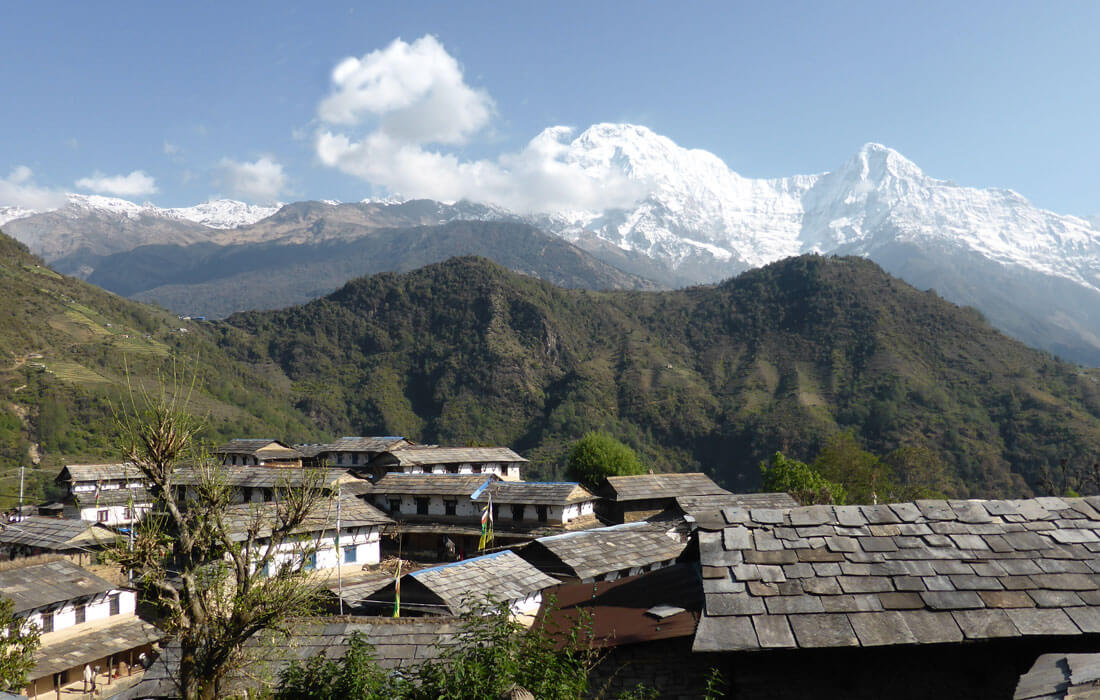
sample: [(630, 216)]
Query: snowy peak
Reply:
[(876, 163), (217, 214)]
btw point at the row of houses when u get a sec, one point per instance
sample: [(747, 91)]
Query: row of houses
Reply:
[(946, 599)]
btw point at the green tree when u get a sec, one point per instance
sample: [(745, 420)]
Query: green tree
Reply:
[(210, 584), (599, 455), (354, 675), (800, 480), (918, 472), (18, 642), (865, 477)]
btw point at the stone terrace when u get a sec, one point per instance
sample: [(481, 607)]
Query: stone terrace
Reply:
[(924, 572)]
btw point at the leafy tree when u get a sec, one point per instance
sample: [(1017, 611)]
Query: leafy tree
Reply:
[(18, 642), (800, 480), (211, 588), (918, 472), (599, 455), (492, 655)]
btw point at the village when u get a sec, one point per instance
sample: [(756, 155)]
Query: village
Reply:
[(678, 575)]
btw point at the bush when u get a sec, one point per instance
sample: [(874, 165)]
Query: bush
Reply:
[(599, 455)]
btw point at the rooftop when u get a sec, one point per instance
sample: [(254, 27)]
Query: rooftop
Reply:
[(94, 641), (718, 501), (647, 486), (258, 447), (113, 497), (353, 512), (265, 477), (1057, 676), (465, 585), (54, 533), (590, 553), (364, 444), (419, 455), (39, 585), (99, 472), (538, 492), (907, 573), (431, 484)]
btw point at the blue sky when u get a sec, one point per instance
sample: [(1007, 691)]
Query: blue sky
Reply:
[(177, 102)]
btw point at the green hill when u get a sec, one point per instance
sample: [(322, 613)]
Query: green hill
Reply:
[(67, 351), (712, 378)]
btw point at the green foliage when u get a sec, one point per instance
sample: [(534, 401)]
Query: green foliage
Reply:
[(493, 654), (599, 455), (354, 675), (865, 478), (801, 481), (18, 642)]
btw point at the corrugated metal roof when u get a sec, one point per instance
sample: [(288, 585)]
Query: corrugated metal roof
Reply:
[(40, 585), (648, 486), (925, 572), (55, 533), (421, 455)]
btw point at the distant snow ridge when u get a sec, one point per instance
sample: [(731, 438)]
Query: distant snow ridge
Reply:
[(219, 213), (697, 209)]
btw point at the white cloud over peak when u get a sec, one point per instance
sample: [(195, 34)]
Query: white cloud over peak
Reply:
[(405, 98), (18, 189), (260, 181), (136, 184)]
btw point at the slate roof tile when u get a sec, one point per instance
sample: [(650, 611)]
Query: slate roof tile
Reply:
[(932, 571)]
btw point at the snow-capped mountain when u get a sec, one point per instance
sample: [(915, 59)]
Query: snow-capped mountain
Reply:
[(697, 210), (217, 213)]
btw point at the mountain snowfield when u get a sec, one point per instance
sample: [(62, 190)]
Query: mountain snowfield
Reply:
[(698, 208), (217, 213)]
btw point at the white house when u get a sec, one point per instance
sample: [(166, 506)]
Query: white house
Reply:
[(356, 524), (258, 452), (351, 452), (433, 459), (84, 619), (109, 494)]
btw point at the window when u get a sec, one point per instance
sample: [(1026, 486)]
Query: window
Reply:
[(450, 507), (517, 512), (266, 571), (269, 495), (234, 458), (129, 513), (310, 563), (355, 458), (47, 621), (339, 457), (102, 515), (496, 512), (541, 510), (351, 554), (421, 506), (81, 613), (115, 604), (476, 469), (395, 505)]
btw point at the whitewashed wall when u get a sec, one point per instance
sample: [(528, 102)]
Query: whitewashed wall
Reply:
[(99, 608)]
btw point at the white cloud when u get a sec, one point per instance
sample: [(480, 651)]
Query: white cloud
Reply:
[(261, 181), (171, 149), (18, 189), (136, 184), (407, 97)]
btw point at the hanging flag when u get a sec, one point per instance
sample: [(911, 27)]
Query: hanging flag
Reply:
[(397, 589), (486, 525)]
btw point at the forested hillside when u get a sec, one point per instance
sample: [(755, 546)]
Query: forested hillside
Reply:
[(713, 378), (68, 350)]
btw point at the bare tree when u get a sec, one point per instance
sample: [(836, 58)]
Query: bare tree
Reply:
[(215, 583)]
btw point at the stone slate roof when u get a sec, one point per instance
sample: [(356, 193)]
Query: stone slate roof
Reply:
[(590, 553), (421, 455), (40, 585), (362, 444), (113, 497), (1058, 676), (354, 512), (398, 483), (99, 472), (102, 638), (690, 504), (252, 476), (908, 573), (398, 643), (649, 486), (55, 533), (250, 446), (537, 492), (464, 586)]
